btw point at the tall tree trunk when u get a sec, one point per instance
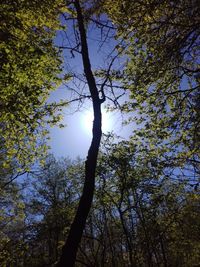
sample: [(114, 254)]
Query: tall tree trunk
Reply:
[(69, 251)]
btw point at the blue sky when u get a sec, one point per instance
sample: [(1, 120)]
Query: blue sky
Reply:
[(74, 140)]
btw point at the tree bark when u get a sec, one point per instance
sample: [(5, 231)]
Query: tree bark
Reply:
[(69, 251)]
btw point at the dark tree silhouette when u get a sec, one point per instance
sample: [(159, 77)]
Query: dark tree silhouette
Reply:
[(70, 248)]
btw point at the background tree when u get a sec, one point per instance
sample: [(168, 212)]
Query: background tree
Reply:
[(136, 213), (12, 215), (145, 203), (140, 215), (50, 209)]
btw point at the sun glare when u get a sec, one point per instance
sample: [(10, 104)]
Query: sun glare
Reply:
[(87, 120)]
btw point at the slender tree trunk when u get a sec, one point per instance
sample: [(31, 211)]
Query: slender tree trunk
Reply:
[(69, 251)]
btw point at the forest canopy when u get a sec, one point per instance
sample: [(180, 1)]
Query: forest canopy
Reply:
[(132, 201)]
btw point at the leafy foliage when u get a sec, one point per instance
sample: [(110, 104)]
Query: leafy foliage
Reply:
[(29, 71), (161, 42), (12, 215), (50, 211), (142, 214)]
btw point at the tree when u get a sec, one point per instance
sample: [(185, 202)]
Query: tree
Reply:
[(146, 204), (50, 208), (12, 215), (161, 43), (29, 72), (70, 248)]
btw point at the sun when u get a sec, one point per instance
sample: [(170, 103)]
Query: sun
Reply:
[(87, 121)]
